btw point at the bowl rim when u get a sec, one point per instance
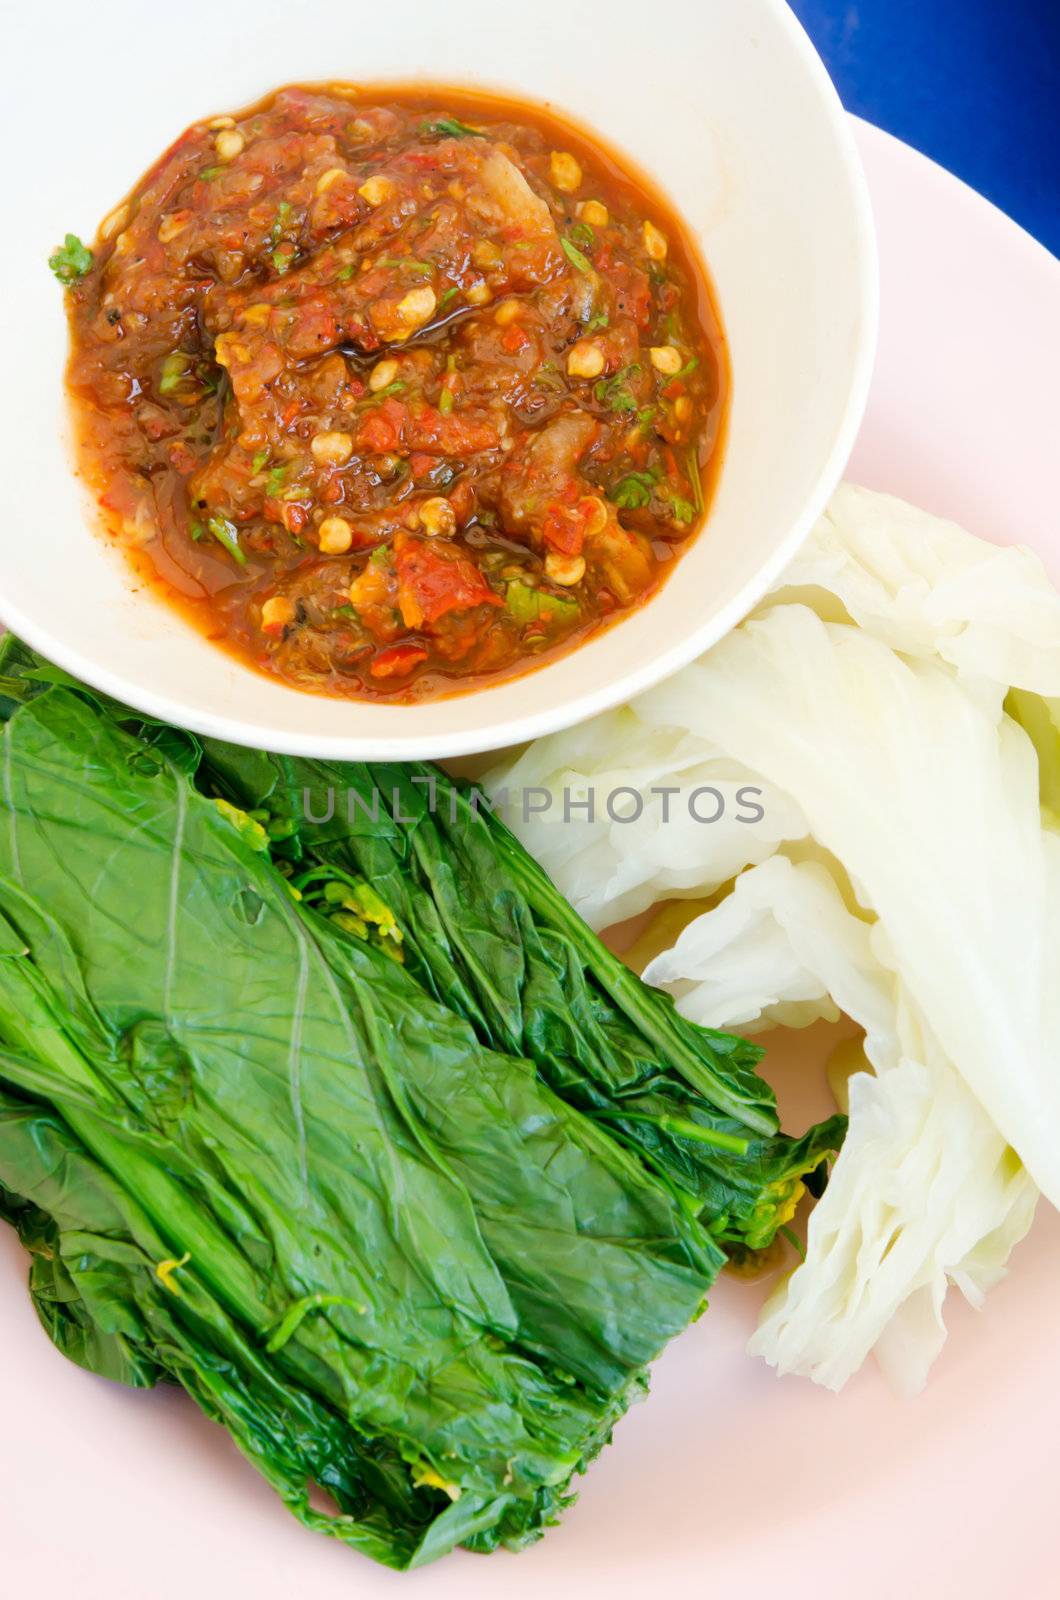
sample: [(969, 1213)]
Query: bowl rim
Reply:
[(489, 734)]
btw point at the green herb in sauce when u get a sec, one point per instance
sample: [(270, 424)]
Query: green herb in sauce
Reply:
[(634, 491), (575, 256), (72, 260), (450, 128), (227, 534)]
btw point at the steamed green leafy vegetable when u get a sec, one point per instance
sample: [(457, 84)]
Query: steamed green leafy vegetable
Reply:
[(357, 1135), (487, 933)]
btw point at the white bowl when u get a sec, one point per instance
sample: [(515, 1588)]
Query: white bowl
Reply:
[(722, 102)]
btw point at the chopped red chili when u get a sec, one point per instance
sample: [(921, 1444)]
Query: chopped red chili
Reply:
[(392, 400)]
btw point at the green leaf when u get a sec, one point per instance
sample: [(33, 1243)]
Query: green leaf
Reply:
[(615, 393), (71, 260), (605, 1011), (421, 268), (283, 212), (793, 1239), (433, 1218), (526, 604), (575, 256), (227, 534), (633, 491), (450, 128), (406, 1259), (694, 478)]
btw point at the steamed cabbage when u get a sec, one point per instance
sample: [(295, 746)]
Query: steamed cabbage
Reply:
[(879, 1258), (894, 700)]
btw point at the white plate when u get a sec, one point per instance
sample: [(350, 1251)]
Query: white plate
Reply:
[(727, 1482)]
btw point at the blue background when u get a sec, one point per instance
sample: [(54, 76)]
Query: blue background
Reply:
[(975, 84)]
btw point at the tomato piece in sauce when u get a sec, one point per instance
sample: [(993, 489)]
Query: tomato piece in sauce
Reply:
[(434, 578)]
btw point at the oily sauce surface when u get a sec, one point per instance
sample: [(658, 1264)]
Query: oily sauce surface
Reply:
[(396, 391)]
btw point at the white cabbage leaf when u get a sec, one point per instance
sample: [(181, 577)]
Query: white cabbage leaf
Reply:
[(928, 795), (613, 869), (782, 948), (925, 1192), (903, 873), (929, 589)]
